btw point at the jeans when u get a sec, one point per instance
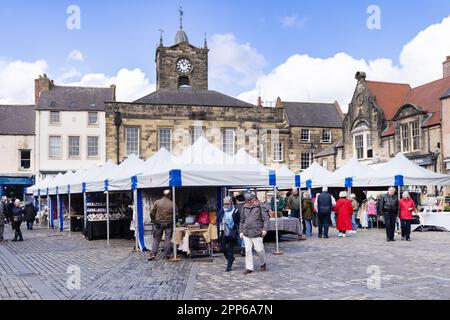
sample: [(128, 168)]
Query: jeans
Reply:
[(157, 237), (295, 214), (17, 233), (389, 221), (2, 230), (324, 224), (227, 247), (308, 227), (354, 224), (406, 228), (30, 225)]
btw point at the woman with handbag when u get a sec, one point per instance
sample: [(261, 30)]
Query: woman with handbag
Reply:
[(228, 221), (17, 218), (407, 207)]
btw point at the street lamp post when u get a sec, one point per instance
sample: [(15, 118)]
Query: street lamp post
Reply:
[(117, 124)]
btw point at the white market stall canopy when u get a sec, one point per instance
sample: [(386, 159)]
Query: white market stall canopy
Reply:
[(315, 176), (203, 164)]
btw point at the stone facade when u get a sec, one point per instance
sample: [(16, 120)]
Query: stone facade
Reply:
[(446, 133), (253, 127), (166, 59), (297, 147)]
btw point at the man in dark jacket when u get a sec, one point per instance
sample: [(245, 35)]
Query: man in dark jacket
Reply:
[(2, 217), (17, 218), (228, 224), (30, 214), (253, 228), (388, 206), (162, 218), (323, 205)]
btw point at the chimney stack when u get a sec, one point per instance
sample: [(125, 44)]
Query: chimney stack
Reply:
[(40, 85), (446, 67)]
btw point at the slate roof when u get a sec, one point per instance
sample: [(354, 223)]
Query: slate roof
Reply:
[(330, 150), (326, 152), (306, 114), (191, 97), (17, 120), (63, 98)]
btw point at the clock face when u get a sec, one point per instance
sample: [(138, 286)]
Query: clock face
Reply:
[(184, 66)]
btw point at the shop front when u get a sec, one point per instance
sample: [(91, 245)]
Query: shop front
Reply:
[(14, 187)]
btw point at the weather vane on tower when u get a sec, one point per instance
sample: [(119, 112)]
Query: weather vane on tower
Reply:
[(181, 17)]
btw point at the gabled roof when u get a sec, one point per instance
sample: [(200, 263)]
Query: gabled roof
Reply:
[(190, 97), (390, 97), (427, 97), (17, 120), (61, 98), (307, 114)]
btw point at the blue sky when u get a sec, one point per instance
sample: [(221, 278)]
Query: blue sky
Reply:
[(123, 34)]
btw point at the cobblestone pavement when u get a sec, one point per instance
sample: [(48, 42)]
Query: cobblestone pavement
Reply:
[(314, 269), (337, 268), (37, 269)]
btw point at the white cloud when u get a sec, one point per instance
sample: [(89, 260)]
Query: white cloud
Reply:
[(303, 78), (17, 80), (233, 63), (293, 21), (131, 84), (76, 55)]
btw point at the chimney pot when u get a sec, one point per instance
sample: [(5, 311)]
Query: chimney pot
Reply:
[(446, 68)]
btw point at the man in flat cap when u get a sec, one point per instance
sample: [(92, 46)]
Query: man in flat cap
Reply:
[(162, 218), (253, 228)]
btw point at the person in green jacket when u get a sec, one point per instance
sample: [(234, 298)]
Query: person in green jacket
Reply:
[(307, 213), (281, 203)]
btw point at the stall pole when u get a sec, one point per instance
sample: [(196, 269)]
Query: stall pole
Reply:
[(175, 259), (70, 220), (277, 252), (84, 211), (135, 219), (39, 208), (300, 209), (58, 210), (107, 218)]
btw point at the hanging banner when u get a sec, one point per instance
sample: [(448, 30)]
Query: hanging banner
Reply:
[(175, 178), (140, 219), (272, 178)]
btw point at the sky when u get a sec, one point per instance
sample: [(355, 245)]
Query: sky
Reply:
[(298, 50)]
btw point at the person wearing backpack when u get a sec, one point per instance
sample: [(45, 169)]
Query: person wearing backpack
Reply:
[(228, 223), (17, 218), (253, 228)]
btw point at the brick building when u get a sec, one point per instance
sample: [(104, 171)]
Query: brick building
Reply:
[(387, 118)]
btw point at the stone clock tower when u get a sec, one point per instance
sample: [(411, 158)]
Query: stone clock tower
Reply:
[(181, 64)]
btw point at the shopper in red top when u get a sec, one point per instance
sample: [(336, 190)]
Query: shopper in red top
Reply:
[(407, 207), (344, 211)]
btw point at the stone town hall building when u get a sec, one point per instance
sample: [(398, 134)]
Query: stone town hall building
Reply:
[(183, 108)]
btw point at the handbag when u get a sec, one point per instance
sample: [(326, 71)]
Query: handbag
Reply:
[(17, 219)]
